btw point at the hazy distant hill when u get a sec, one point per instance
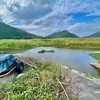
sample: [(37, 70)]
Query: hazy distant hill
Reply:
[(62, 34), (8, 32), (97, 34)]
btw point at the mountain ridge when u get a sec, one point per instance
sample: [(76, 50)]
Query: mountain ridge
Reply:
[(96, 34), (62, 34), (9, 32)]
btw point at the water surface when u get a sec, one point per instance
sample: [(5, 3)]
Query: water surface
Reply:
[(77, 59)]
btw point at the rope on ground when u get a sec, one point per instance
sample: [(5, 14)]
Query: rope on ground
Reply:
[(23, 60), (63, 89), (7, 72)]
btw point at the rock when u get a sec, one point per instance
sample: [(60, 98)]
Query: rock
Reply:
[(97, 65)]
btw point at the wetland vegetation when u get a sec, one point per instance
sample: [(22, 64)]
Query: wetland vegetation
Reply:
[(11, 46), (96, 56)]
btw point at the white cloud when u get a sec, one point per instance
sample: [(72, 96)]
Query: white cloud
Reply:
[(5, 6), (26, 27), (51, 19), (74, 6), (84, 29), (47, 16), (34, 11), (25, 10)]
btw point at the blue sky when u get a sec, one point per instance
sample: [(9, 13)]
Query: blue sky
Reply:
[(43, 17)]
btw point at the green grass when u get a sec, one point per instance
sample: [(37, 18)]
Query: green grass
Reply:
[(96, 56), (89, 76), (8, 46), (40, 84), (69, 67)]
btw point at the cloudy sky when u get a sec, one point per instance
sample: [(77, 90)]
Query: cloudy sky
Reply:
[(43, 17)]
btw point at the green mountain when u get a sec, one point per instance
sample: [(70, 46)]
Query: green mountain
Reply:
[(62, 34), (97, 34), (8, 32)]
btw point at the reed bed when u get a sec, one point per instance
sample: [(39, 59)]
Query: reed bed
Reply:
[(10, 45)]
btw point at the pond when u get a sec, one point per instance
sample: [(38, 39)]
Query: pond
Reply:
[(77, 59)]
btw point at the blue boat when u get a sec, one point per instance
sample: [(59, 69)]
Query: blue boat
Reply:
[(7, 61)]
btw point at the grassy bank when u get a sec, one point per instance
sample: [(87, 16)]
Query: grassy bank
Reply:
[(73, 43), (96, 56), (10, 46), (39, 84)]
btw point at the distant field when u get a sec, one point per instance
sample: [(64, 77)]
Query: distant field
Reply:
[(11, 45)]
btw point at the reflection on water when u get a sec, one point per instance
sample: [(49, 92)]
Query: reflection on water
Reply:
[(77, 59)]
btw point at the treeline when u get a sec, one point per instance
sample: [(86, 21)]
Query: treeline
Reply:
[(18, 37)]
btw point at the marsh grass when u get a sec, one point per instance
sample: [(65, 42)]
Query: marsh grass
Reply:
[(12, 45)]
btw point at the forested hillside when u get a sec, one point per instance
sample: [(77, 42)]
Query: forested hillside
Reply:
[(8, 32), (97, 34), (62, 34)]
